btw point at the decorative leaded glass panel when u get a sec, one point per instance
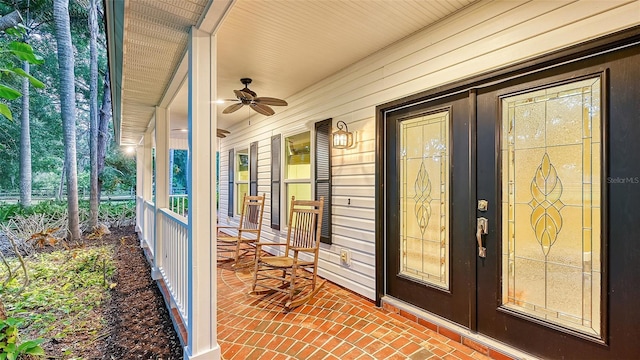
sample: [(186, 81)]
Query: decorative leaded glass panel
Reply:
[(424, 200), (551, 174)]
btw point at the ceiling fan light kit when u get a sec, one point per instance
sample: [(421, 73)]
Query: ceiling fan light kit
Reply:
[(248, 97)]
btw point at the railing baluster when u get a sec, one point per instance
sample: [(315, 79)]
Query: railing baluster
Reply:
[(174, 270)]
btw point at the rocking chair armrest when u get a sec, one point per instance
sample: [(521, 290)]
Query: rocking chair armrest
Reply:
[(226, 227), (303, 249), (269, 244)]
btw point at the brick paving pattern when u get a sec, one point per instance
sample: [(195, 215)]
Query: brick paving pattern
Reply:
[(336, 325)]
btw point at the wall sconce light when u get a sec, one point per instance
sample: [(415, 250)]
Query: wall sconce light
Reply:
[(342, 138)]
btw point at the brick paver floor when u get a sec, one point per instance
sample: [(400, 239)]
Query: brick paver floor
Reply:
[(336, 324)]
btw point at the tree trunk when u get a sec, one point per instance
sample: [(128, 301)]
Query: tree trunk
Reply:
[(94, 201), (103, 128), (68, 110), (10, 20), (25, 143)]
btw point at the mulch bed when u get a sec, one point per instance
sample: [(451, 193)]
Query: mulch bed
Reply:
[(135, 321), (138, 321)]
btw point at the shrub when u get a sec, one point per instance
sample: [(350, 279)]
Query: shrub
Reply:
[(10, 346)]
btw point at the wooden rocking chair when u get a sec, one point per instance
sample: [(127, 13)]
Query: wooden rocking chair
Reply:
[(235, 247), (293, 274)]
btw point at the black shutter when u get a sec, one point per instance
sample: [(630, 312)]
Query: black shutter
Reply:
[(323, 175), (276, 141), (253, 169), (232, 161)]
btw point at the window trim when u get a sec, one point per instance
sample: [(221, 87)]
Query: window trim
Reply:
[(285, 199)]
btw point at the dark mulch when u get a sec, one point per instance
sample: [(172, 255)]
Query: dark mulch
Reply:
[(139, 323)]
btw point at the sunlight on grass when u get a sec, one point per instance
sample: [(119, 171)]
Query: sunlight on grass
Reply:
[(65, 289)]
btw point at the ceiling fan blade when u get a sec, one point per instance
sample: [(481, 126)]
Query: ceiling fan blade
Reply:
[(243, 95), (232, 108), (262, 109), (223, 131), (270, 101), (222, 136)]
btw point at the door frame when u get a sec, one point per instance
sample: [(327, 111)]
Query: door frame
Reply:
[(570, 54), (576, 53)]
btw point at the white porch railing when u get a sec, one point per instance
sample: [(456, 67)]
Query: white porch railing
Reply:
[(174, 267), (149, 225), (179, 204)]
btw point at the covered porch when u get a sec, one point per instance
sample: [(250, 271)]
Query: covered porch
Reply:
[(175, 67)]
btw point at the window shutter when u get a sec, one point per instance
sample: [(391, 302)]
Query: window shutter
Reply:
[(253, 169), (231, 173), (323, 175), (276, 141)]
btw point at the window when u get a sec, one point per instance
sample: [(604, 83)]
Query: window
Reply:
[(242, 178), (297, 170)]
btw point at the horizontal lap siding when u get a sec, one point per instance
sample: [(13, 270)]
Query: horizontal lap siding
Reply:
[(485, 36)]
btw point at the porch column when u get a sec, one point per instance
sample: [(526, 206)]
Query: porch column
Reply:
[(139, 187), (162, 183), (147, 182), (202, 303)]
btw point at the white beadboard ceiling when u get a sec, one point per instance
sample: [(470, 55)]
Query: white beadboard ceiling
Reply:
[(283, 45)]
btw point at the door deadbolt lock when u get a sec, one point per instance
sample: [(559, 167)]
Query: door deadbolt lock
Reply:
[(482, 229), (483, 205)]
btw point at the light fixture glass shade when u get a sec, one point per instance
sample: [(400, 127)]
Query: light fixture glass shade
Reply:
[(342, 139)]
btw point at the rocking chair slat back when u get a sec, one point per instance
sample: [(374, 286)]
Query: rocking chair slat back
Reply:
[(304, 226), (253, 216)]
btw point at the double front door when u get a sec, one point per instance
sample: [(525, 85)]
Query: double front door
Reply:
[(511, 208)]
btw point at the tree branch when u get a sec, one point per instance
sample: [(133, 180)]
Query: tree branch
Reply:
[(10, 20)]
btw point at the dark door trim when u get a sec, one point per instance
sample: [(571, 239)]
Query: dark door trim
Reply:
[(608, 43)]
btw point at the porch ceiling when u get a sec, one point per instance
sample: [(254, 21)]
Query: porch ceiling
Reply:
[(284, 45)]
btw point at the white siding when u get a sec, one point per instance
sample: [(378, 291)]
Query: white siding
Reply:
[(485, 36)]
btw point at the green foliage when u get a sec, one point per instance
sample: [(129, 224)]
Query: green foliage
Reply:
[(11, 347), (65, 289), (25, 52), (46, 133), (11, 54), (51, 207), (119, 173), (180, 159), (56, 209)]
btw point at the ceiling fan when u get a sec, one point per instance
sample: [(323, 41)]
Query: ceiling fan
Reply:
[(260, 104)]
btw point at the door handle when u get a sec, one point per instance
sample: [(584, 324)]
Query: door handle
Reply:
[(482, 229)]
